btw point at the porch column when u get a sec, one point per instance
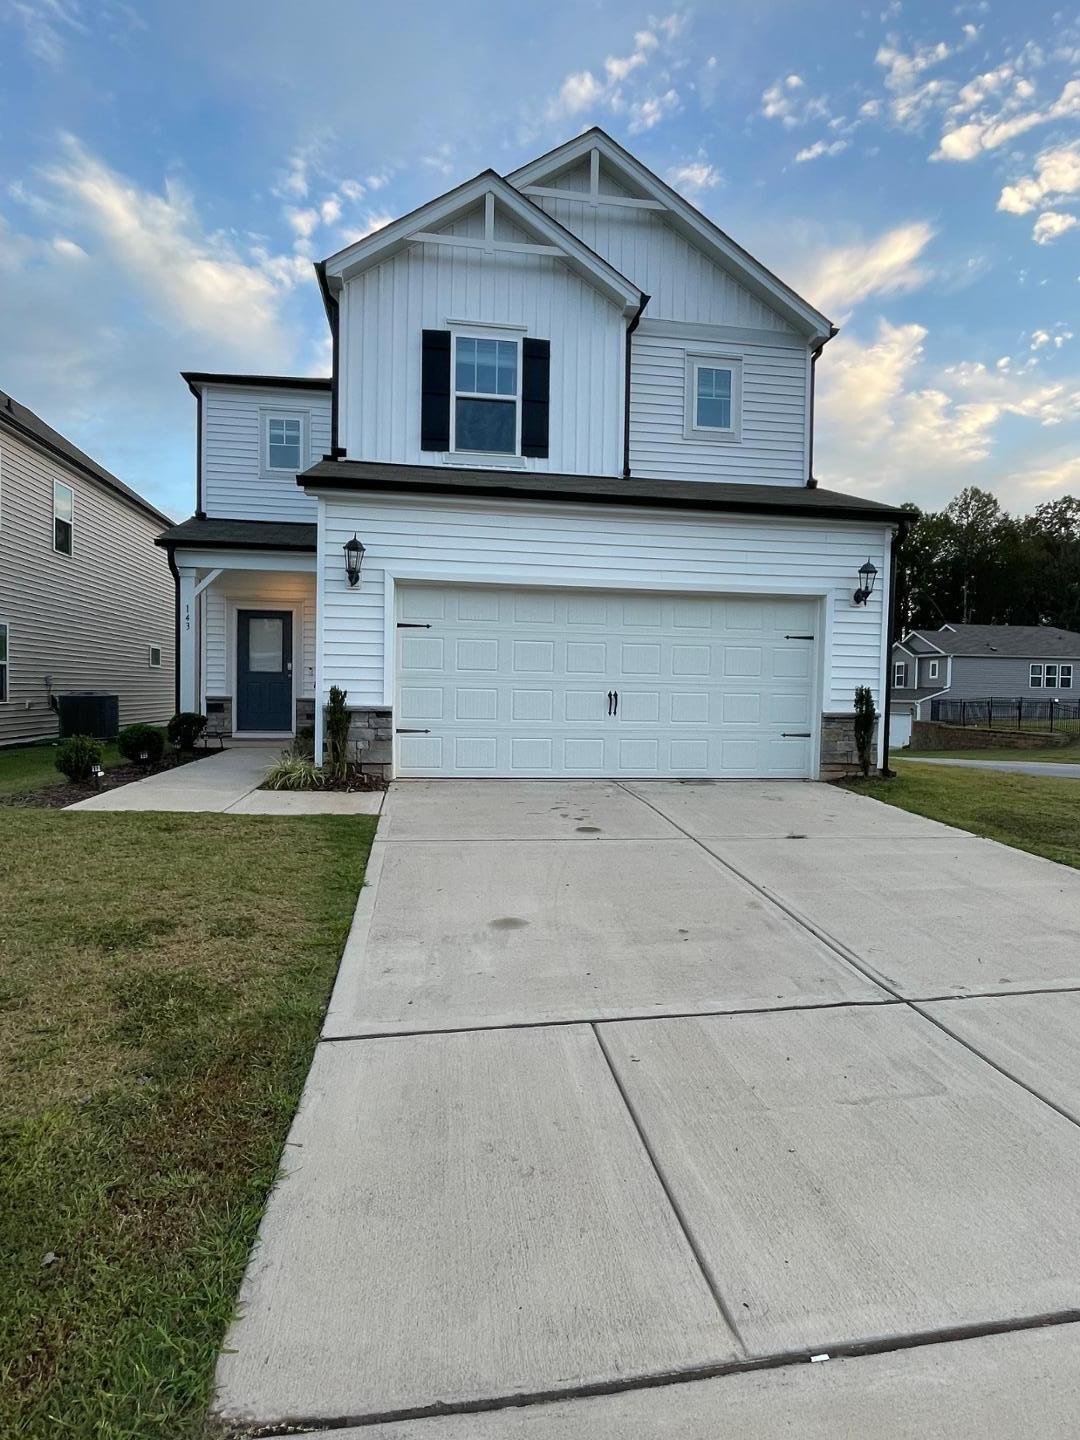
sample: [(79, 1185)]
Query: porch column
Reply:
[(189, 699)]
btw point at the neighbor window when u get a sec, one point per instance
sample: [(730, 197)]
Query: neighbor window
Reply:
[(1050, 676), (63, 517), (3, 662), (932, 670), (899, 674), (1065, 677), (155, 657), (486, 394), (284, 442)]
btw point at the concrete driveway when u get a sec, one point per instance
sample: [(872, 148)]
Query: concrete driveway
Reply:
[(633, 1100)]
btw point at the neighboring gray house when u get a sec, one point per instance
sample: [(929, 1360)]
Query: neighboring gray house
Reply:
[(86, 598), (979, 662)]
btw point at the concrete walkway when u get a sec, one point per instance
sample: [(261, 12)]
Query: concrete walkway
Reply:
[(228, 783), (629, 1091), (1014, 767)]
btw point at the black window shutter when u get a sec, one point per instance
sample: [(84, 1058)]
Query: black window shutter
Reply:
[(435, 391), (535, 395)]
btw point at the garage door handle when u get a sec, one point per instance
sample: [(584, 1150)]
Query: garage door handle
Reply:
[(616, 702), (610, 697)]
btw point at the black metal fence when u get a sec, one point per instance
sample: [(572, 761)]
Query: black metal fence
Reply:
[(1002, 713)]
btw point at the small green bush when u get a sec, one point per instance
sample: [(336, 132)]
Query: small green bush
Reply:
[(136, 741), (294, 772), (185, 728), (864, 725), (77, 757), (304, 744), (337, 734)]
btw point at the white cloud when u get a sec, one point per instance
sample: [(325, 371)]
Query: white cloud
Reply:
[(302, 222), (841, 277), (351, 234), (68, 248), (695, 176), (352, 189), (1039, 338), (819, 148), (1057, 174), (989, 131), (47, 25), (1051, 225), (1062, 475), (585, 89), (786, 100), (330, 210)]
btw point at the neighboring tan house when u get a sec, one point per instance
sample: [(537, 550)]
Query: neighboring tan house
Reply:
[(981, 662), (554, 512), (86, 599)]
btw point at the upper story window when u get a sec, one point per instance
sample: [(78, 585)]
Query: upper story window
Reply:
[(486, 395), (285, 443), (899, 674), (1049, 676), (713, 397), (63, 517), (932, 670)]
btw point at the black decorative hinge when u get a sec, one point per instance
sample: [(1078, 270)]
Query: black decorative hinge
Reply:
[(795, 734), (798, 637), (412, 732), (413, 625)]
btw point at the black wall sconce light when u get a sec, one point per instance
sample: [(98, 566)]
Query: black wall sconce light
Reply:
[(867, 576), (354, 558)]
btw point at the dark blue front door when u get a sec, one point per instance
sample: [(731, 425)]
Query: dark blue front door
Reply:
[(264, 682)]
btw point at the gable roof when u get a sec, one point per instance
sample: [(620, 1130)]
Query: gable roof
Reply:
[(687, 220), (256, 382), (20, 421), (1004, 642), (419, 224)]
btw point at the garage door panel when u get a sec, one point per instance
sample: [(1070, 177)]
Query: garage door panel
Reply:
[(517, 682)]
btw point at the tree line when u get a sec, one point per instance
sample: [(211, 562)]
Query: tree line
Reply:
[(976, 564)]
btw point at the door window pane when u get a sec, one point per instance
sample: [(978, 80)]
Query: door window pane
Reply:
[(265, 645), (486, 425)]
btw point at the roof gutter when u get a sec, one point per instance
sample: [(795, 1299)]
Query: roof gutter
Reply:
[(635, 321), (811, 482), (333, 319), (176, 628)]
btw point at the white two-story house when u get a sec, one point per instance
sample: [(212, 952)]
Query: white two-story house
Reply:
[(553, 514)]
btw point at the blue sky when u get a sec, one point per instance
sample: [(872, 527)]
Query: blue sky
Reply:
[(168, 172)]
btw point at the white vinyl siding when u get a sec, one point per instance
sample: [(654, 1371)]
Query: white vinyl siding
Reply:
[(771, 446), (237, 485), (83, 620), (259, 590), (505, 543), (385, 310)]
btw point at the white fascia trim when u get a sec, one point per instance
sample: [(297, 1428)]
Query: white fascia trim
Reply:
[(694, 332), (300, 562), (923, 638), (364, 253), (899, 645), (731, 255)]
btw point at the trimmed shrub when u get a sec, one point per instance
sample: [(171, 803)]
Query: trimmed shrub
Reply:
[(304, 743), (141, 743), (337, 735), (77, 756), (864, 725), (294, 772), (185, 728)]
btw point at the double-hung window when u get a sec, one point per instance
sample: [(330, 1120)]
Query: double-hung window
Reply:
[(3, 661), (932, 669), (1047, 675), (63, 517), (713, 397), (899, 675), (284, 442), (487, 395), (1065, 677)]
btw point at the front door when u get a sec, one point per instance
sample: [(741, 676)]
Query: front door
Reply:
[(264, 681)]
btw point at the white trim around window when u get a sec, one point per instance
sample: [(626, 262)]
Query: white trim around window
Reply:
[(283, 433), (899, 674), (5, 662), (1050, 675), (63, 524), (932, 669), (500, 343), (713, 394)]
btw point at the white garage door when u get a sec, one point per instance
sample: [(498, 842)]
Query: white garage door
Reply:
[(521, 682)]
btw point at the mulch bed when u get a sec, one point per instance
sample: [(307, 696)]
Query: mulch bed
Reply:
[(67, 792)]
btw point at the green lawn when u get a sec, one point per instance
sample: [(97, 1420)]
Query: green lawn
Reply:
[(1061, 755), (162, 983), (1034, 814), (29, 767)]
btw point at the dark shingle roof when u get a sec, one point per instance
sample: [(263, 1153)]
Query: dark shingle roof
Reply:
[(798, 500), (1016, 642), (204, 533), (21, 421)]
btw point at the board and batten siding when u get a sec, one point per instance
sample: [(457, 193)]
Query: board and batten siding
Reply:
[(510, 544), (87, 619), (385, 310), (235, 485), (246, 590), (773, 416)]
